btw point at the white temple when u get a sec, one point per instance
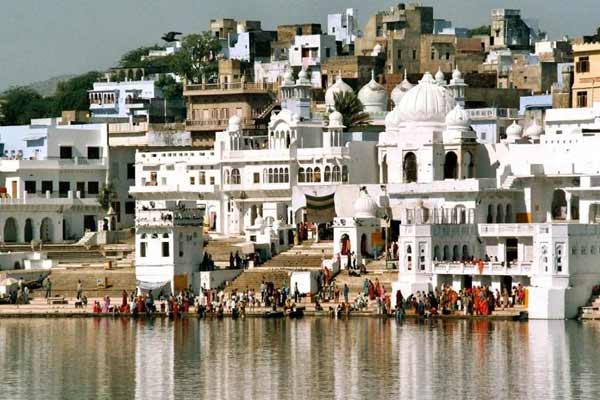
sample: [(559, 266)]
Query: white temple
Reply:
[(528, 206)]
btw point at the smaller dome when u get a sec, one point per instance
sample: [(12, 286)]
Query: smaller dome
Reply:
[(440, 79), (456, 74), (302, 74), (534, 131), (458, 117), (234, 123), (365, 206), (400, 89), (515, 131), (303, 78), (338, 87), (336, 120), (288, 78), (373, 96)]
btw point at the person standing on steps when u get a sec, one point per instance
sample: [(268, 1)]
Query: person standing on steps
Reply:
[(346, 293), (48, 288), (79, 289)]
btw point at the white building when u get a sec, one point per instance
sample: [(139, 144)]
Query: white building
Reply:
[(123, 101), (344, 26), (527, 206), (50, 178)]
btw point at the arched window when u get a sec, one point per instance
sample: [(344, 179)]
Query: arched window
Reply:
[(451, 166), (559, 205), (337, 176), (345, 174), (436, 253), (490, 214), (508, 218), (309, 174), (271, 175), (317, 174), (470, 165), (165, 235), (301, 175), (266, 176), (227, 180), (465, 252), (446, 253), (327, 174), (455, 253), (235, 177), (286, 175), (499, 214), (409, 167)]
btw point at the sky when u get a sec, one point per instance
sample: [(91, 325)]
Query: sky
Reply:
[(40, 39)]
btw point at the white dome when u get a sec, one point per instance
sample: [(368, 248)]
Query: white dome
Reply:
[(534, 131), (338, 87), (336, 120), (303, 77), (400, 89), (234, 123), (373, 96), (426, 102), (515, 131), (365, 206), (439, 77), (458, 117), (288, 79), (456, 74)]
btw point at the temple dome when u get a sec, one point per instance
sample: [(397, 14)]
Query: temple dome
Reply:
[(534, 131), (338, 87), (440, 79), (288, 78), (458, 117), (365, 206), (426, 102), (336, 120), (515, 131), (456, 74), (400, 90), (373, 96)]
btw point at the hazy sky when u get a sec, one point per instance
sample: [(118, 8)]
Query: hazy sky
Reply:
[(40, 39)]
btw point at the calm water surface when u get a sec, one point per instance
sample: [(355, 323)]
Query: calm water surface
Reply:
[(306, 359)]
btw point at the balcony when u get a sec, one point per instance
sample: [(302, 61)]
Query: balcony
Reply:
[(216, 124), (52, 199), (520, 268), (205, 89), (505, 230), (169, 218), (52, 163)]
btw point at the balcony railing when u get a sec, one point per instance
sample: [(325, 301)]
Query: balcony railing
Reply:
[(489, 268), (217, 123), (164, 217), (233, 86), (501, 230)]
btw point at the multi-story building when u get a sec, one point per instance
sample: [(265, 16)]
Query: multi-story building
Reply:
[(344, 26), (586, 80), (509, 30), (50, 177)]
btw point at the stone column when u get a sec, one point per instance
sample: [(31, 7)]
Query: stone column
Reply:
[(568, 197)]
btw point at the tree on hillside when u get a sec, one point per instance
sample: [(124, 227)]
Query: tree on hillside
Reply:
[(197, 57), (133, 58), (353, 111), (21, 104), (170, 88), (72, 94), (480, 30)]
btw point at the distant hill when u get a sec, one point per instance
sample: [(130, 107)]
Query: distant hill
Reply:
[(48, 87)]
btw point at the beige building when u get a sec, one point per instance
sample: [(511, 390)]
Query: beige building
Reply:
[(223, 27), (447, 51), (586, 79)]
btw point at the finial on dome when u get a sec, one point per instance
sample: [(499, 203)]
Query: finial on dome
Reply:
[(372, 74), (405, 74)]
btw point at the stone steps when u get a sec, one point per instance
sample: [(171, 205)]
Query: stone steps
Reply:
[(64, 282), (252, 279)]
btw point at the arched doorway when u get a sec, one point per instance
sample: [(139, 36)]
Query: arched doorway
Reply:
[(451, 165), (345, 244), (490, 214), (508, 218), (446, 253), (455, 253), (559, 205), (499, 214), (46, 230), (212, 218), (28, 231), (253, 214), (410, 167), (363, 245), (465, 252), (10, 230), (469, 165)]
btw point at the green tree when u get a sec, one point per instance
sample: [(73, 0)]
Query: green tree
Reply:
[(197, 57), (72, 94), (480, 30), (171, 89), (353, 111), (21, 104), (133, 58)]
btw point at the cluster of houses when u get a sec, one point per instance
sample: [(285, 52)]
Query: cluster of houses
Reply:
[(468, 193)]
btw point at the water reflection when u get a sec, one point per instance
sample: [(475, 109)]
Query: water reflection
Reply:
[(311, 358)]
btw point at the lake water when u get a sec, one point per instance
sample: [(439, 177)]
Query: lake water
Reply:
[(305, 359)]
